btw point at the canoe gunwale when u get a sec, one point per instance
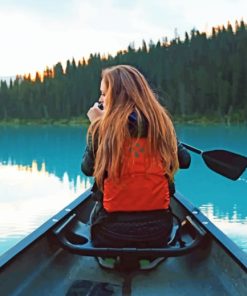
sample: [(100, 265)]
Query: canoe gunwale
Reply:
[(238, 255)]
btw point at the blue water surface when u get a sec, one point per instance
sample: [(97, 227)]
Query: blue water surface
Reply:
[(222, 200), (40, 174)]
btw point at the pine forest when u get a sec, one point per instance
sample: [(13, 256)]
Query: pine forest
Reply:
[(198, 76)]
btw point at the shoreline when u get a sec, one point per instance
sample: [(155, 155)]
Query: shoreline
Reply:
[(77, 121)]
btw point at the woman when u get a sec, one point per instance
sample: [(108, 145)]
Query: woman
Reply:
[(133, 154)]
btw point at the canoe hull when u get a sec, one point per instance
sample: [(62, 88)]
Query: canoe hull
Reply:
[(41, 267)]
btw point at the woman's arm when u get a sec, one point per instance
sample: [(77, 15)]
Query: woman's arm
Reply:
[(184, 157), (184, 160), (87, 164), (88, 158)]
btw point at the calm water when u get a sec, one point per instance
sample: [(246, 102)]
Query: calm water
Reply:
[(40, 174)]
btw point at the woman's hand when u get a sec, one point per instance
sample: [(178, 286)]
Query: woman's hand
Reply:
[(94, 112)]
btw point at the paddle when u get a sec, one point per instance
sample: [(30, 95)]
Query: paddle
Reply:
[(226, 163)]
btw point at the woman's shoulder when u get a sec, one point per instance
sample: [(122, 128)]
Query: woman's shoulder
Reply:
[(138, 127)]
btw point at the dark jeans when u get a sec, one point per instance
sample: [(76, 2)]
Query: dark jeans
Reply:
[(130, 229)]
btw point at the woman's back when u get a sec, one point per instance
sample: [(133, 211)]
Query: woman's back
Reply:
[(132, 151)]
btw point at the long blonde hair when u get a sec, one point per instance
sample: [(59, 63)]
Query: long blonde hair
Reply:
[(128, 91)]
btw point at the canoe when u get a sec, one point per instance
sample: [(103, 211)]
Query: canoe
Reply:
[(47, 262)]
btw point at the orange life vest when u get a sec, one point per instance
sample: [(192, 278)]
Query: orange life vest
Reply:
[(142, 187)]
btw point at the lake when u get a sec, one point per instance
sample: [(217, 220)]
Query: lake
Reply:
[(40, 174)]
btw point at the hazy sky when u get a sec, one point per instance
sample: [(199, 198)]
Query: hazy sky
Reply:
[(39, 33)]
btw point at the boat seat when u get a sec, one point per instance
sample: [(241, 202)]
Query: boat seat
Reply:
[(74, 236)]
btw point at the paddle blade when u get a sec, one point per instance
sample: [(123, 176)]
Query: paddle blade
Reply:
[(226, 163)]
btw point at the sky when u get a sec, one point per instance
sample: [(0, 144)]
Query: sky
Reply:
[(39, 33)]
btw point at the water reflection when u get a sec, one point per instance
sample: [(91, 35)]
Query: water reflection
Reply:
[(233, 225), (40, 174), (60, 147), (31, 196)]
